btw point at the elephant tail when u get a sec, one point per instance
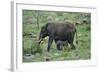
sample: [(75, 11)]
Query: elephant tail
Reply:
[(76, 37), (76, 27)]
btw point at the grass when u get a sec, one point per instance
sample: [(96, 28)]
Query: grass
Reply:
[(39, 53)]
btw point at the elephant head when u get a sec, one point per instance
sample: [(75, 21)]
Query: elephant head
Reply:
[(43, 33)]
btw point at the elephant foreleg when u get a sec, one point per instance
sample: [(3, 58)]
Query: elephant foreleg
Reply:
[(49, 43)]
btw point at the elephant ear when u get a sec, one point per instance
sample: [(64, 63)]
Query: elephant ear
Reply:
[(50, 28), (46, 26)]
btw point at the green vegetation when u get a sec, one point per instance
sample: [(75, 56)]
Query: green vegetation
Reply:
[(32, 23)]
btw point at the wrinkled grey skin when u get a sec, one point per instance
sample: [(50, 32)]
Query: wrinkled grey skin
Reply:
[(58, 32)]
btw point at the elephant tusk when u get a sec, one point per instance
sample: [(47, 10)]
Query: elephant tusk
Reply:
[(40, 41)]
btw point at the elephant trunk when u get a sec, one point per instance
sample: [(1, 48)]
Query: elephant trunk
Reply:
[(40, 39)]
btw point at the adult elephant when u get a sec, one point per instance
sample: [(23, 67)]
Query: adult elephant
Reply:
[(59, 32)]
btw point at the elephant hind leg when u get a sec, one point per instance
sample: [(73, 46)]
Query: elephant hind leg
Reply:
[(71, 40), (71, 44)]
